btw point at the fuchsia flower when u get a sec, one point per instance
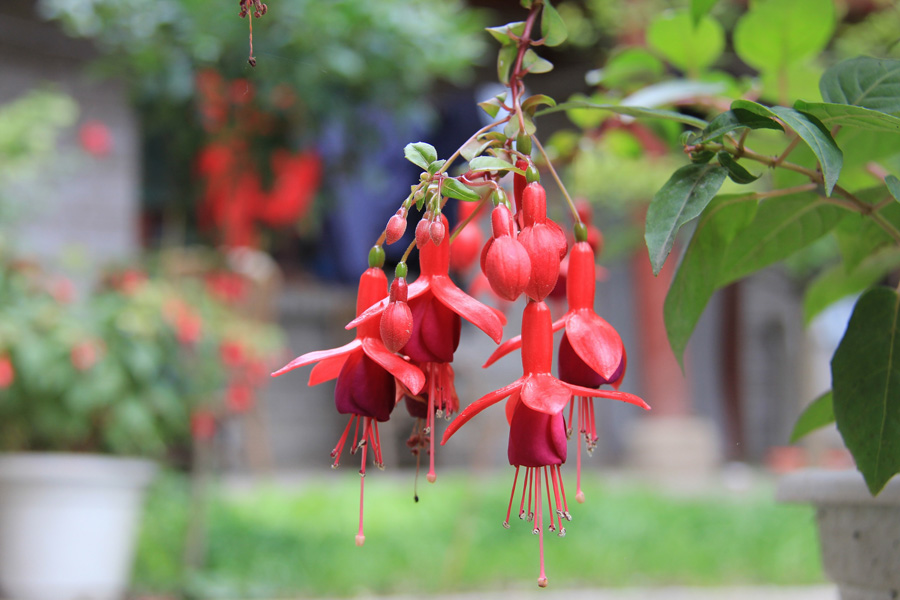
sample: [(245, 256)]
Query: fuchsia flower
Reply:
[(536, 440), (396, 320), (506, 263), (437, 305), (540, 237), (365, 372)]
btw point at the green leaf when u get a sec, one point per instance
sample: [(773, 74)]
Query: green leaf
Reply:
[(731, 120), (533, 63), (492, 107), (505, 59), (846, 115), (553, 28), (839, 281), (818, 414), (893, 186), (501, 33), (436, 166), (736, 172), (477, 147), (632, 111), (695, 281), (511, 130), (454, 189), (629, 66), (811, 131), (868, 82), (700, 8), (530, 104), (858, 236), (682, 198), (492, 163), (781, 227), (687, 46), (420, 154), (776, 33), (865, 375)]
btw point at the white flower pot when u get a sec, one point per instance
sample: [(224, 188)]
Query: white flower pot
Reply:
[(859, 534), (68, 524)]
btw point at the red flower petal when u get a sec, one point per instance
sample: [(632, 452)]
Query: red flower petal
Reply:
[(612, 395), (410, 375), (478, 406), (596, 342), (545, 393), (467, 307), (311, 357), (327, 369)]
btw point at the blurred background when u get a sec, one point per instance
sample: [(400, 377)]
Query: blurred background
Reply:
[(184, 223)]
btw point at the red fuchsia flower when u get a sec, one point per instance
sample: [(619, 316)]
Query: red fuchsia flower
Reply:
[(506, 262), (365, 372), (437, 306), (540, 237), (591, 353), (7, 372), (534, 439), (397, 320)]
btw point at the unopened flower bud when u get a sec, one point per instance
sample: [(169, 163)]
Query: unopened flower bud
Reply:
[(506, 264), (397, 320), (423, 230), (437, 231), (396, 227)]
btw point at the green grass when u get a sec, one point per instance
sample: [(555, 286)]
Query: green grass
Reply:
[(272, 542)]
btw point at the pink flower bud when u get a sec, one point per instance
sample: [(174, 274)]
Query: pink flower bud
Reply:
[(506, 263), (396, 227), (543, 240), (423, 231), (397, 320), (437, 231)]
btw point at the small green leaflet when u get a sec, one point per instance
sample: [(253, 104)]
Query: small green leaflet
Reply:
[(454, 189), (553, 28), (501, 33), (530, 104), (865, 375), (533, 63), (492, 107), (420, 154), (736, 172), (846, 115), (811, 131), (505, 59), (682, 198), (864, 81), (818, 414), (893, 186), (492, 163)]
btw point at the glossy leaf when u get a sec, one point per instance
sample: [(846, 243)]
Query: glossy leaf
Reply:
[(846, 115), (505, 59), (811, 131), (893, 186), (736, 172), (632, 111), (420, 154), (865, 374), (535, 64), (454, 189), (864, 81), (839, 281), (695, 281), (501, 33), (682, 198), (553, 28), (492, 163), (531, 103), (781, 227), (688, 46), (818, 414), (775, 33), (732, 120)]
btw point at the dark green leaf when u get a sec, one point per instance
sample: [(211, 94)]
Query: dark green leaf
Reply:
[(632, 111), (840, 281), (818, 414), (682, 198), (492, 107), (865, 375), (531, 103), (700, 8), (858, 236), (846, 115), (731, 120), (492, 163), (454, 189), (736, 172), (533, 63), (776, 33), (420, 154), (893, 185), (702, 157), (505, 59), (501, 33), (553, 28), (811, 131), (781, 227), (864, 81), (695, 280), (690, 47)]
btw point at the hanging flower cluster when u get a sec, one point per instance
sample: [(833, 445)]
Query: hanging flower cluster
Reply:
[(406, 335)]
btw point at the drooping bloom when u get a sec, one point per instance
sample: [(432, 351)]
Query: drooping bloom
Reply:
[(591, 352), (535, 440), (365, 372), (540, 237), (506, 262), (437, 306), (396, 320)]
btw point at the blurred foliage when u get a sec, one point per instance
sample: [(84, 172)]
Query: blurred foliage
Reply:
[(272, 542)]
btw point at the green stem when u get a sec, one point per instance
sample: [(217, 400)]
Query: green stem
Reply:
[(462, 225)]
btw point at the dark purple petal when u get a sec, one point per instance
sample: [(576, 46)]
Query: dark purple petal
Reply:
[(536, 439), (435, 334), (575, 371), (364, 388), (416, 408)]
